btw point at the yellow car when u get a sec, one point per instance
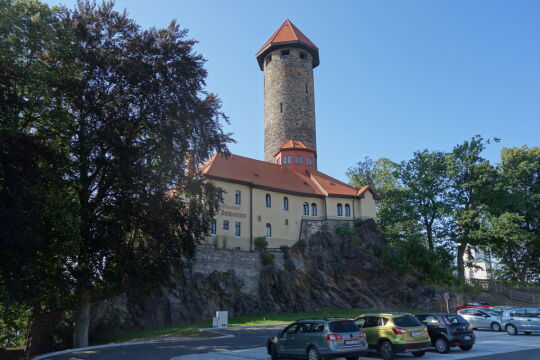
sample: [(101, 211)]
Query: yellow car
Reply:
[(392, 333)]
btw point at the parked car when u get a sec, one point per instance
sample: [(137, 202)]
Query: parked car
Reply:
[(500, 309), (518, 320), (389, 334), (481, 318), (469, 305), (447, 331), (315, 339)]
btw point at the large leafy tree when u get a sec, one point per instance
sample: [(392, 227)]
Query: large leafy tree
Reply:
[(133, 115), (515, 221)]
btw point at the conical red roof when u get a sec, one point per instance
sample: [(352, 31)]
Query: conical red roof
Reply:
[(288, 34)]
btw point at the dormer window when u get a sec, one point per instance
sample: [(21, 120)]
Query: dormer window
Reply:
[(285, 54)]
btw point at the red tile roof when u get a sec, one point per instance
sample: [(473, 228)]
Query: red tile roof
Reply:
[(263, 174), (286, 34), (295, 145)]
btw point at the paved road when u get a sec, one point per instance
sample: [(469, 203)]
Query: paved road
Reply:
[(246, 345)]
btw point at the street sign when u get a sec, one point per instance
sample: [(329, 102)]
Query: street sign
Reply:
[(446, 298)]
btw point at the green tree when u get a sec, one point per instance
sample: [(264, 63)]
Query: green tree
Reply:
[(471, 179), (515, 221)]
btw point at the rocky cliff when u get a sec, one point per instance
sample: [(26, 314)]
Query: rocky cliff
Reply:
[(322, 271)]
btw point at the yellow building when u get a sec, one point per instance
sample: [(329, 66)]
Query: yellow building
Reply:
[(272, 198)]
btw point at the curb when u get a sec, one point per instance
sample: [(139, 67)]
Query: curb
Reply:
[(44, 356)]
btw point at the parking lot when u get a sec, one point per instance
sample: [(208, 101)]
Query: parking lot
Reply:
[(487, 343)]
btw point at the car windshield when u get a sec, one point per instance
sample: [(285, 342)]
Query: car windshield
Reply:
[(455, 319), (343, 326), (407, 321)]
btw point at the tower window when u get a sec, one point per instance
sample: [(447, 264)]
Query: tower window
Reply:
[(237, 228), (298, 159), (306, 88), (339, 210), (287, 159), (313, 209), (268, 230), (280, 107), (309, 160), (286, 203), (303, 56), (268, 59), (278, 161), (213, 227), (237, 197), (285, 54), (225, 225), (268, 201), (347, 210), (286, 221), (306, 208)]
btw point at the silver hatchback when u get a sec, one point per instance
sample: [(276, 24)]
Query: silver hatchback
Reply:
[(526, 320), (481, 318), (316, 339)]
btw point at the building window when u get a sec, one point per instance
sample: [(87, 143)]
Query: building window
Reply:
[(309, 160), (287, 159), (339, 210), (313, 209), (225, 225), (213, 227), (285, 54), (298, 159), (268, 230), (237, 228), (286, 221), (306, 208), (306, 88), (286, 203), (268, 59), (237, 197), (303, 55), (347, 210), (268, 201), (280, 107), (219, 196), (278, 161)]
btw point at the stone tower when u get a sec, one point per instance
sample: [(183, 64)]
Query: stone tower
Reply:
[(288, 59)]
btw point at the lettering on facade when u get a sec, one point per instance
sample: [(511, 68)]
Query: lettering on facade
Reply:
[(232, 211)]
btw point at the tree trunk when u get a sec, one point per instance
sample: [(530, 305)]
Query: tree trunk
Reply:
[(429, 231), (82, 322), (40, 332), (460, 263)]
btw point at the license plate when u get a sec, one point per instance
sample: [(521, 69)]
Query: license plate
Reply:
[(416, 333), (352, 342), (467, 338)]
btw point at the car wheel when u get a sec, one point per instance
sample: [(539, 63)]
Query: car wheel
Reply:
[(273, 352), (528, 333), (419, 353), (386, 350), (441, 345), (511, 329), (313, 353), (465, 347), (495, 327)]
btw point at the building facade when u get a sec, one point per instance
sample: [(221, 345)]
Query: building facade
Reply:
[(271, 198)]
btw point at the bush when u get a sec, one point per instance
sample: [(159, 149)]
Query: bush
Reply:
[(267, 258), (260, 243), (358, 222), (436, 266), (343, 229), (13, 323)]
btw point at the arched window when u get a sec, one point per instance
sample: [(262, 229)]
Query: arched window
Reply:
[(339, 210), (286, 203), (347, 210), (306, 208), (313, 209), (268, 201), (268, 230)]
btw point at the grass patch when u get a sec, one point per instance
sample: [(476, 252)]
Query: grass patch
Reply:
[(192, 330)]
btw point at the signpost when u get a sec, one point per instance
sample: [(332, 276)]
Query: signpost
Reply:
[(446, 297)]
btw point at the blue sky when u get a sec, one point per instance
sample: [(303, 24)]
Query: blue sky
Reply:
[(395, 76)]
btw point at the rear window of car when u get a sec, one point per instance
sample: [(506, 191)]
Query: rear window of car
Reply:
[(406, 321), (455, 319), (343, 326)]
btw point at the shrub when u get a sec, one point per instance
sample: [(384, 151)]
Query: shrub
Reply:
[(300, 244), (358, 222), (343, 229), (267, 258), (260, 243)]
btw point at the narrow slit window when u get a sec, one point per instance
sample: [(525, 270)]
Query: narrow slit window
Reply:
[(280, 107)]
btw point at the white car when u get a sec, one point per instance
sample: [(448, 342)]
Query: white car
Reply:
[(481, 318), (525, 320)]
